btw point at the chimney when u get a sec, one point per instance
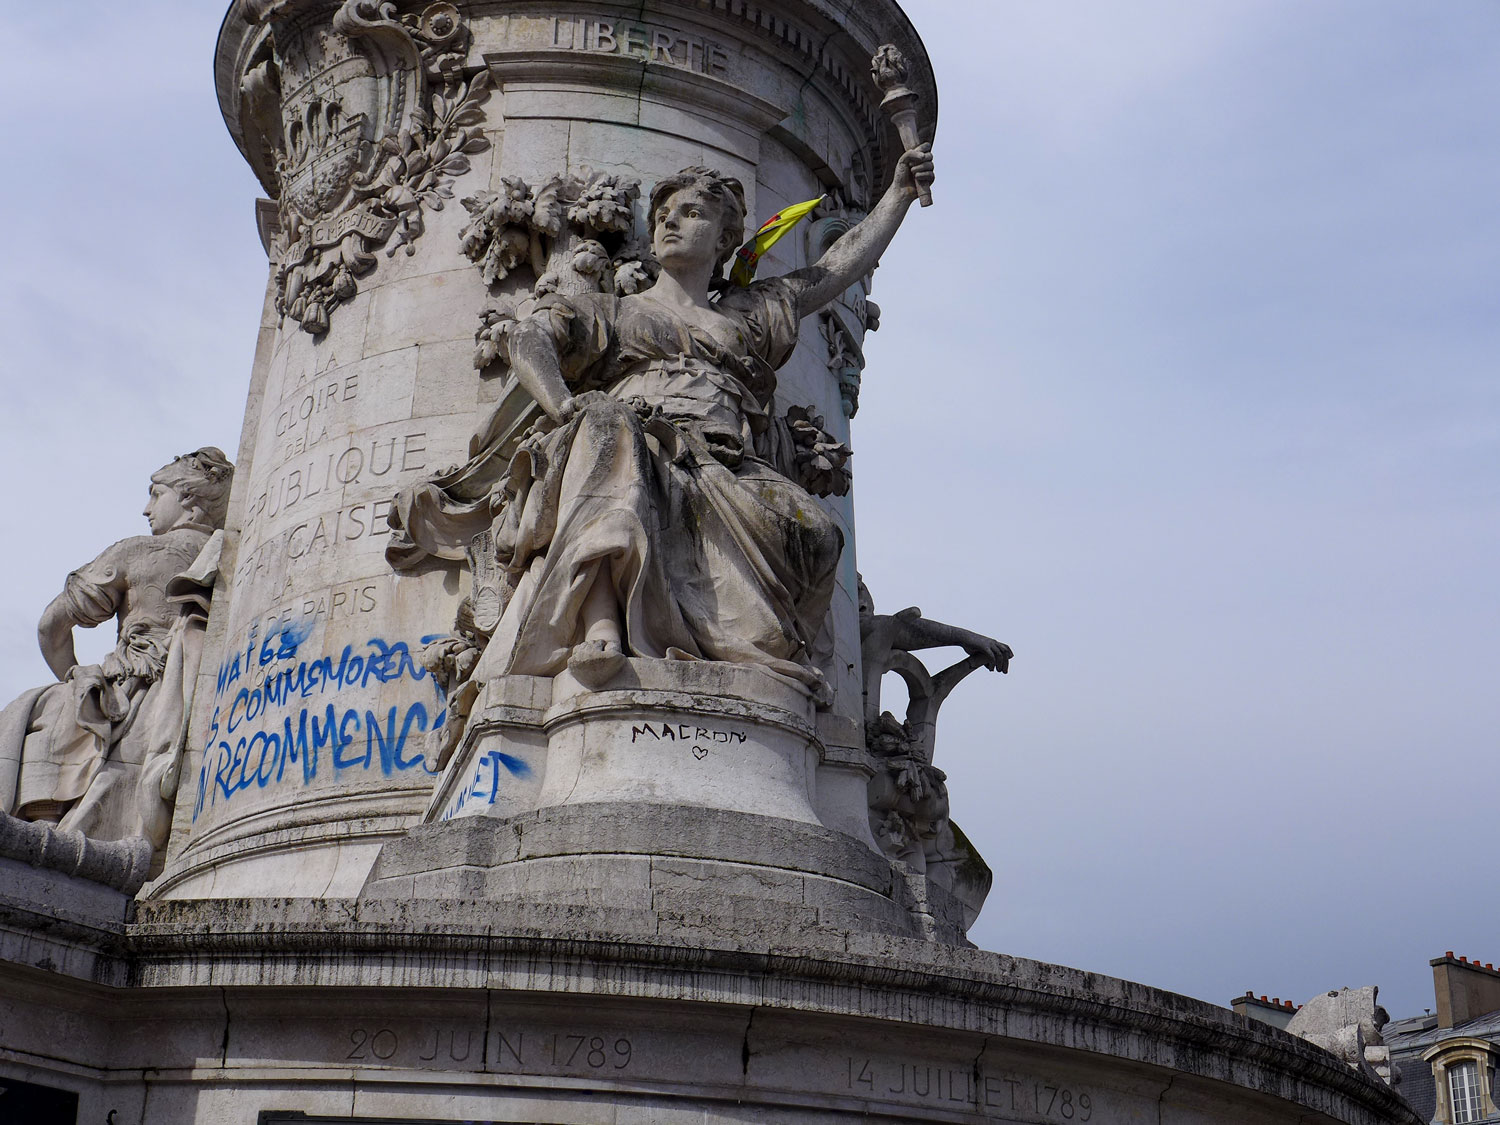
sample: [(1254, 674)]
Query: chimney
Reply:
[(1276, 1012), (1465, 989)]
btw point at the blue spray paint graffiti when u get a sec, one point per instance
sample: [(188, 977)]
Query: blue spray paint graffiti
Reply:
[(484, 783), (294, 739)]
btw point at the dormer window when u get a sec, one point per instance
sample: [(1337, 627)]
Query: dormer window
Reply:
[(1464, 1092), (1463, 1070)]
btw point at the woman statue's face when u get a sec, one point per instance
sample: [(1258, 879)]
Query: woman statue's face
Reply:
[(688, 228), (164, 510)]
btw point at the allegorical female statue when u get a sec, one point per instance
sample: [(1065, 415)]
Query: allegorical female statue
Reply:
[(656, 511), (76, 753)]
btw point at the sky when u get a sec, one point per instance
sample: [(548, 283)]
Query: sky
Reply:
[(1186, 388)]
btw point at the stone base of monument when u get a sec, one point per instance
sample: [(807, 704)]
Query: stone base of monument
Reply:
[(657, 871), (665, 732), (677, 791), (261, 1012)]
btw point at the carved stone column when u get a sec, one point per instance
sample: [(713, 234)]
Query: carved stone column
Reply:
[(366, 122)]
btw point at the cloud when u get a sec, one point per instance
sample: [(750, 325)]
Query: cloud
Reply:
[(1185, 389)]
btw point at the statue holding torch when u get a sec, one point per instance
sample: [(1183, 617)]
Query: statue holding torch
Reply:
[(892, 74)]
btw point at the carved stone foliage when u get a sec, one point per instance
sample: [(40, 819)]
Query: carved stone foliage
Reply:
[(821, 460), (909, 794), (376, 121), (574, 233), (844, 323)]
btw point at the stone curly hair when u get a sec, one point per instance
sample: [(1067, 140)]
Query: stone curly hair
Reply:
[(202, 478), (724, 190)]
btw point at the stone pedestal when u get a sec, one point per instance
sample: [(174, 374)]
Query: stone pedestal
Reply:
[(307, 750), (662, 732), (675, 793), (419, 1012)]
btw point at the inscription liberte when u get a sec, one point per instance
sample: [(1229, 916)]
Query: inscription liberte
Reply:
[(651, 43)]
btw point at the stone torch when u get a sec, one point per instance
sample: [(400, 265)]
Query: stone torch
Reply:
[(892, 74)]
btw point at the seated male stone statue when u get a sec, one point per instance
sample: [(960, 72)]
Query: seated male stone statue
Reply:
[(74, 753)]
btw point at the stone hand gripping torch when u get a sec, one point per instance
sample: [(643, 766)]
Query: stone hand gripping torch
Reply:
[(900, 102)]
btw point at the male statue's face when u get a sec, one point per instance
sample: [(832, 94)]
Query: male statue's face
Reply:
[(164, 510)]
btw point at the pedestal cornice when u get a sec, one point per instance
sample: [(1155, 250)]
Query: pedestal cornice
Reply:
[(822, 40)]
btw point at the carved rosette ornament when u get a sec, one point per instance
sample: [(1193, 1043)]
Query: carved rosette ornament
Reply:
[(376, 121)]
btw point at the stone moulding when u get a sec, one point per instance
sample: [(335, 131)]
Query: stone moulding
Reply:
[(119, 864), (826, 39), (460, 962), (365, 118)]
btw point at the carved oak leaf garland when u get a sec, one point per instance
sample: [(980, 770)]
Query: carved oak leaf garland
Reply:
[(821, 458), (424, 161)]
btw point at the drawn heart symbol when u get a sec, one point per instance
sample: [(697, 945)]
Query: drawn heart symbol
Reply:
[(700, 752)]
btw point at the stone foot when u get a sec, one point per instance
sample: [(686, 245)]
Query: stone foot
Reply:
[(595, 663)]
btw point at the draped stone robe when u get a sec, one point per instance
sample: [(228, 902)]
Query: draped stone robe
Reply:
[(73, 752), (671, 484)]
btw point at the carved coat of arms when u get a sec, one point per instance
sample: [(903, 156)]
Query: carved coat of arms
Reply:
[(372, 119)]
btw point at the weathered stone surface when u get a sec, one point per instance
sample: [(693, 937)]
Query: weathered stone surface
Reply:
[(438, 1010), (368, 124), (1347, 1022), (621, 937), (119, 865), (99, 753)]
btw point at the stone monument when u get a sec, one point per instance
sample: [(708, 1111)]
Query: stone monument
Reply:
[(100, 751), (1347, 1022), (531, 764)]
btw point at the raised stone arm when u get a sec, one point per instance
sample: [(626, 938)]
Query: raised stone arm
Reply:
[(911, 631), (859, 251)]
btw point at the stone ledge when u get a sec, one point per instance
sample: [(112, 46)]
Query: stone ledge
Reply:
[(122, 865), (443, 953), (743, 839)]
